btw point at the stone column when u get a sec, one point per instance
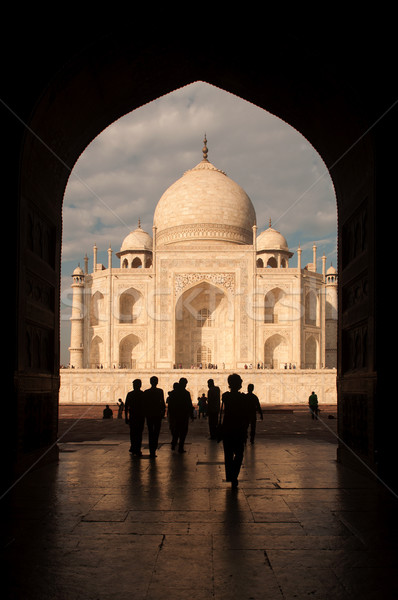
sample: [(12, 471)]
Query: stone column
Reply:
[(254, 298), (76, 348), (110, 310), (95, 259)]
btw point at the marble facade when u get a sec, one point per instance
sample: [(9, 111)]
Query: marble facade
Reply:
[(205, 295)]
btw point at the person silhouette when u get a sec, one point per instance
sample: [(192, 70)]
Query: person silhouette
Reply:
[(313, 404), (180, 409), (235, 422), (154, 409), (169, 402), (202, 406), (213, 408), (135, 417), (120, 408), (255, 407), (107, 413)]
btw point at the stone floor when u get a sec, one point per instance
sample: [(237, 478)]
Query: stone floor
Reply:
[(101, 524)]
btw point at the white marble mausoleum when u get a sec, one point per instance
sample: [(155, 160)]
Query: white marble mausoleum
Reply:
[(204, 294)]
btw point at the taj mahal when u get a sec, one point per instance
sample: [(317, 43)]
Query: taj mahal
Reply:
[(203, 294)]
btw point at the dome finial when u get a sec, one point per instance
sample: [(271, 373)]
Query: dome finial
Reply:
[(139, 223), (204, 149), (270, 223)]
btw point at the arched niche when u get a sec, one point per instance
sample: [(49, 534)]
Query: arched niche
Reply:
[(275, 352), (130, 305), (203, 320), (311, 352), (136, 263), (274, 307), (96, 352), (311, 308), (97, 308), (130, 351)]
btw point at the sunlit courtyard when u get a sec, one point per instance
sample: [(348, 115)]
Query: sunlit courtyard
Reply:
[(103, 524)]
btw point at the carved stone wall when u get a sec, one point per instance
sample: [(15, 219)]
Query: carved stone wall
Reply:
[(272, 386), (210, 231), (356, 382)]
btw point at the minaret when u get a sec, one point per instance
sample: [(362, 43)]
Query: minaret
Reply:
[(331, 311), (94, 258), (314, 258), (76, 347), (110, 311), (299, 257), (324, 266)]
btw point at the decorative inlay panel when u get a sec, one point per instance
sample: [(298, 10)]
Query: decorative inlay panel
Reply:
[(284, 332), (205, 231), (39, 292), (139, 332), (354, 421), (355, 341), (39, 348), (355, 235), (225, 280), (355, 293), (41, 237)]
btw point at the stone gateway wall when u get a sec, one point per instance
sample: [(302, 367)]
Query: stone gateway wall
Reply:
[(273, 387)]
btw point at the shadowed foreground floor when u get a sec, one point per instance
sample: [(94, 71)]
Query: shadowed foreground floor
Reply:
[(101, 524)]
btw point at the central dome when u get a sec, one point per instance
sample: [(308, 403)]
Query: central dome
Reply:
[(204, 205)]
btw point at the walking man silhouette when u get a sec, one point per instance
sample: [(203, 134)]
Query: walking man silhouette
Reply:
[(135, 417), (255, 407), (313, 404), (235, 423), (213, 407), (180, 410), (154, 409)]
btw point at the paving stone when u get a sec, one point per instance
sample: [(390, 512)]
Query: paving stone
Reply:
[(102, 524)]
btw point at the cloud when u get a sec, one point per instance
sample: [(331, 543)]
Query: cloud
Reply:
[(130, 165)]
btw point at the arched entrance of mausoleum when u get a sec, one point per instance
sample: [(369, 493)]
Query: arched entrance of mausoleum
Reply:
[(204, 327)]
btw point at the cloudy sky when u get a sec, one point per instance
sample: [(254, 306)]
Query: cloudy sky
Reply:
[(125, 170)]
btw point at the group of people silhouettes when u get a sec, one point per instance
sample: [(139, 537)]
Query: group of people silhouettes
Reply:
[(230, 416), (141, 406)]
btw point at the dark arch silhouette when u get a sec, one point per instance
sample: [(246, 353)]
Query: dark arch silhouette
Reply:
[(67, 88)]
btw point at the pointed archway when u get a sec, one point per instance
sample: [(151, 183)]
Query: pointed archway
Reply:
[(204, 329), (130, 351), (49, 117)]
